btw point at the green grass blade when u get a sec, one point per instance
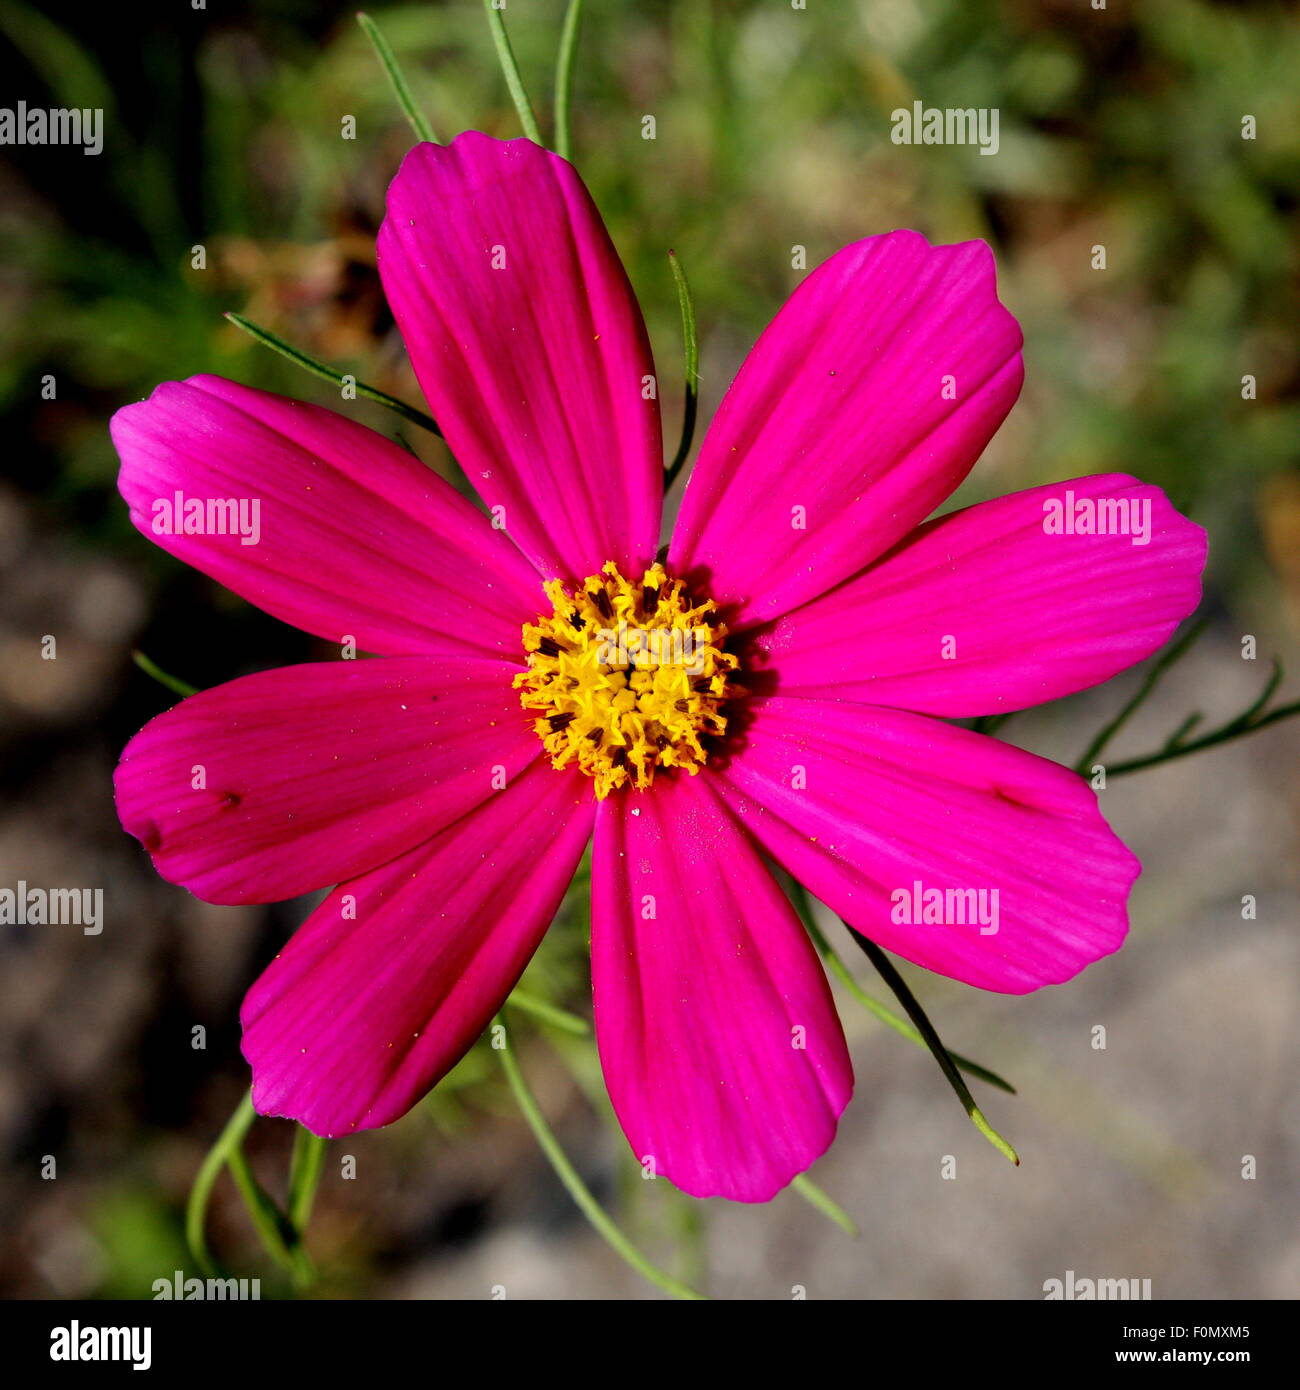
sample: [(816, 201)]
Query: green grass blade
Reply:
[(564, 79), (515, 83), (196, 1208), (173, 683), (396, 80), (691, 344), (814, 1196), (940, 1053), (873, 1006), (327, 373), (573, 1184)]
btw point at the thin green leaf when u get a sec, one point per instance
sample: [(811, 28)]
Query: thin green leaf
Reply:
[(327, 373), (574, 1185), (564, 79), (873, 1006), (304, 1177), (691, 343), (273, 1228), (506, 57), (1249, 722), (547, 1012), (278, 1237), (196, 1208), (941, 1055), (267, 1218), (173, 683), (814, 1196), (1167, 658), (1181, 732), (396, 80), (1247, 717)]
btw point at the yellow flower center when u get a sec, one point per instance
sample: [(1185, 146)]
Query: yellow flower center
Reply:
[(627, 677)]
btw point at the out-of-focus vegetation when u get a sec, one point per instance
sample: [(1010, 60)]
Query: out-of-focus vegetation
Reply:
[(226, 184), (1119, 127)]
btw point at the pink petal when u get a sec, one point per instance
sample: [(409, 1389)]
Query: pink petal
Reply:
[(357, 538), (835, 439), (983, 611), (388, 983), (312, 774), (861, 804), (722, 1050), (529, 345)]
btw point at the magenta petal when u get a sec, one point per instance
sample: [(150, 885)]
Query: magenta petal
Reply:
[(860, 409), (529, 345), (355, 538), (985, 610), (286, 781), (871, 807), (387, 984), (721, 1047)]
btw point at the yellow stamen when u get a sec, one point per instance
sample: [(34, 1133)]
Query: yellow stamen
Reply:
[(627, 678)]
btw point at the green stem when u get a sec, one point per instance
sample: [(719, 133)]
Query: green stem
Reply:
[(542, 1009), (574, 1185), (564, 79), (419, 123), (1222, 735), (1246, 717), (915, 1012), (873, 1006), (813, 1194), (506, 56), (1180, 733), (691, 341), (268, 1220), (196, 1209), (173, 683), (304, 1177), (278, 1237), (1170, 655), (318, 368)]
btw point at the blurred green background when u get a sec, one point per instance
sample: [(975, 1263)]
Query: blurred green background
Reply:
[(1119, 128)]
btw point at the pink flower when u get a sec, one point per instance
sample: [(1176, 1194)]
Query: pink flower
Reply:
[(836, 635)]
